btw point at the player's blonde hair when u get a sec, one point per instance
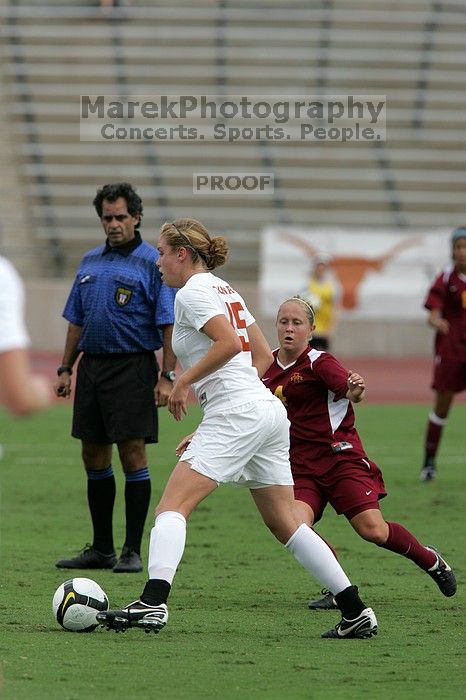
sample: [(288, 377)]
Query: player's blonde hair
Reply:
[(306, 306), (191, 234)]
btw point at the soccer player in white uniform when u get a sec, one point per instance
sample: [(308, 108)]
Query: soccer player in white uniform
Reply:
[(243, 438), (22, 392)]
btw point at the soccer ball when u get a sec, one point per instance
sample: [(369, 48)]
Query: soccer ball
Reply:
[(76, 603)]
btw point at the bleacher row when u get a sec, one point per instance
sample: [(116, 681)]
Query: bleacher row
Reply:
[(413, 52)]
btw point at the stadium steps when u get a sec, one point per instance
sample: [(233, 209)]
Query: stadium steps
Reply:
[(15, 231), (416, 179)]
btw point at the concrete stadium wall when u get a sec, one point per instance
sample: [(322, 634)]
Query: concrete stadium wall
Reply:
[(47, 328)]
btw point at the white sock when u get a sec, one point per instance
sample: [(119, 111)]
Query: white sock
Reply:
[(167, 540), (436, 420), (317, 558)]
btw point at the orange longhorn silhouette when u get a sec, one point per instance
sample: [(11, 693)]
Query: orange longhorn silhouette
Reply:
[(351, 270)]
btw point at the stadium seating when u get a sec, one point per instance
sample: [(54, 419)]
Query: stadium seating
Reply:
[(413, 51)]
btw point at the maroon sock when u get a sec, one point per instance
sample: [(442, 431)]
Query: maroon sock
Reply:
[(433, 434), (401, 541)]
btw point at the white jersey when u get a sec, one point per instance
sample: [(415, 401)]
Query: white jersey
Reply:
[(13, 334), (237, 382)]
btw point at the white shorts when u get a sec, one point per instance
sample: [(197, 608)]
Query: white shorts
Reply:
[(249, 446)]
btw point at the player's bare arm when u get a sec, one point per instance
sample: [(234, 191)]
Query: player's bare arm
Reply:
[(22, 391), (163, 388), (226, 344), (356, 387), (440, 324), (181, 447), (262, 356)]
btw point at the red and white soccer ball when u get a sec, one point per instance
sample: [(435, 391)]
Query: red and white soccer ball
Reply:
[(76, 603)]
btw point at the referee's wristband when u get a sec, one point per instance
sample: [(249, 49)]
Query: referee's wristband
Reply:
[(64, 368)]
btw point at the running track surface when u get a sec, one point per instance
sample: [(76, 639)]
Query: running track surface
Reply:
[(388, 380)]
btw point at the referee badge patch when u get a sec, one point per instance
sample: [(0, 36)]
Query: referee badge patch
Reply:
[(123, 296)]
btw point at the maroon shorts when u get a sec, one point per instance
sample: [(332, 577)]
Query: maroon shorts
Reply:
[(449, 374), (350, 487)]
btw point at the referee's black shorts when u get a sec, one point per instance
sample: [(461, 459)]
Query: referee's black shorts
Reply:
[(319, 342), (114, 399)]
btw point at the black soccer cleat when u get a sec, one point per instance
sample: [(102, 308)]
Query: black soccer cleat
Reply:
[(428, 471), (150, 618), (89, 558), (362, 627), (129, 562), (442, 574), (327, 602)]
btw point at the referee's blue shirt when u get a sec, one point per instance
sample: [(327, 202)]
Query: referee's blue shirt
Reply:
[(119, 300)]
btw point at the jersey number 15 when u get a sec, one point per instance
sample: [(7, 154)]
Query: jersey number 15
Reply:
[(239, 324)]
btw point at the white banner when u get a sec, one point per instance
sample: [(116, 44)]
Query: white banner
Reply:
[(381, 274)]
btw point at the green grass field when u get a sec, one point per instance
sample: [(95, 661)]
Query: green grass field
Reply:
[(239, 625)]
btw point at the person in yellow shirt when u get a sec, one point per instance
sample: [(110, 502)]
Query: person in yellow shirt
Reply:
[(322, 293)]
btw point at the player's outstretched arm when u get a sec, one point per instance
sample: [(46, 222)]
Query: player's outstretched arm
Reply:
[(22, 391), (356, 388), (262, 356)]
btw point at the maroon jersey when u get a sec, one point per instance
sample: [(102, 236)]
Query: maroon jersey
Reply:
[(448, 294), (313, 389)]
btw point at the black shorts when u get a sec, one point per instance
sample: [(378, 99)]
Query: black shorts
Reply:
[(114, 399), (319, 342)]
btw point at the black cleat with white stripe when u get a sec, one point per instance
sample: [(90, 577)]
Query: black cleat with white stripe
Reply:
[(442, 574), (150, 618), (361, 627)]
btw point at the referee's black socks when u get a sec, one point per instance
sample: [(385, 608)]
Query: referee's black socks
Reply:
[(137, 501), (101, 498)]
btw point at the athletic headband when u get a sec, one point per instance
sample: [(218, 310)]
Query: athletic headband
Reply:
[(303, 301), (190, 245)]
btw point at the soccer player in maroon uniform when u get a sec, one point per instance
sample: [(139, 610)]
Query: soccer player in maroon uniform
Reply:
[(328, 461), (446, 302)]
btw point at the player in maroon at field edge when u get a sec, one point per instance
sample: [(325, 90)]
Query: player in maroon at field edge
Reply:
[(328, 461), (446, 302)]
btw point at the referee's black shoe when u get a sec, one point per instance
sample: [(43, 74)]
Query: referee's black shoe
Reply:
[(129, 562), (89, 558), (327, 602)]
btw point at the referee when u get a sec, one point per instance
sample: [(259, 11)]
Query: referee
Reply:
[(119, 312)]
